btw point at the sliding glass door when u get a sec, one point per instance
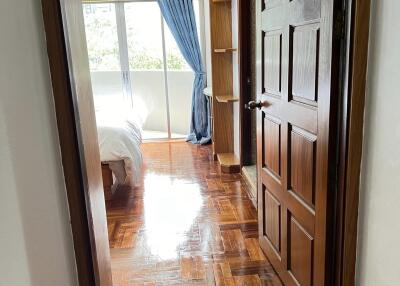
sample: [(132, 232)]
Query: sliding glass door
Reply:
[(146, 61), (104, 56), (134, 60)]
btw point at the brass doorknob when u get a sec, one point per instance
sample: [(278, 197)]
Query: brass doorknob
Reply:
[(253, 105)]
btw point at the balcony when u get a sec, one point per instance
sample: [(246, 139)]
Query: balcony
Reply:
[(149, 100)]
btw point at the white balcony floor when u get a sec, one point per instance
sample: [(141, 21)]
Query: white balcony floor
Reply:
[(149, 135)]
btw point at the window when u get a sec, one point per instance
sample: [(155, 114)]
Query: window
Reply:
[(100, 24), (104, 59), (134, 59)]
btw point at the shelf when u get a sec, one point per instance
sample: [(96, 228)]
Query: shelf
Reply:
[(229, 163), (224, 50), (226, 98), (222, 57)]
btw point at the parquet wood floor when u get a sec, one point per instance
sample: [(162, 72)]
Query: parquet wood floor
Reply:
[(187, 224)]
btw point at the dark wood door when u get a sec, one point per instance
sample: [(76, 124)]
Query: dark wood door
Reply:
[(297, 79)]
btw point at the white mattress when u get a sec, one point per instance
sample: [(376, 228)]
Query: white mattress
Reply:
[(120, 135)]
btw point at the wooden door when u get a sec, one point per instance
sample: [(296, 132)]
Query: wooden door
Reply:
[(297, 91)]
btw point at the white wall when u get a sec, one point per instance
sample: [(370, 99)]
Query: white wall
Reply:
[(379, 227), (35, 236)]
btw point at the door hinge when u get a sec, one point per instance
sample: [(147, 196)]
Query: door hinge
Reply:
[(340, 25)]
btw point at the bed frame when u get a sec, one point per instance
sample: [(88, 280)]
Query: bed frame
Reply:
[(107, 179)]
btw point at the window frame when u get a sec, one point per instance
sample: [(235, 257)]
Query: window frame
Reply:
[(123, 50)]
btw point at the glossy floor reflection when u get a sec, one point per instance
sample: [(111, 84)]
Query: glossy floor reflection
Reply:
[(187, 225)]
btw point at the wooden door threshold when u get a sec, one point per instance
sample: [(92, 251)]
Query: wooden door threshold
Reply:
[(249, 174), (229, 163)]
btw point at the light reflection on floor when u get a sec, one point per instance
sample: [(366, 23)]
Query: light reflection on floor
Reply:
[(170, 209), (187, 224)]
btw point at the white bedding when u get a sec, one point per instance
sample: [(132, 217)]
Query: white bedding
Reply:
[(120, 135)]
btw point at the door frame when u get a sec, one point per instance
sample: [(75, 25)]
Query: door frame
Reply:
[(245, 85), (350, 138), (84, 218)]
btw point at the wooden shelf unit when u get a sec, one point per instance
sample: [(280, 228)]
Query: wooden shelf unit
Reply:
[(222, 85), (227, 98), (224, 50)]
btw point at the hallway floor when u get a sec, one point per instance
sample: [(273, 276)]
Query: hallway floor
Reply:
[(187, 225)]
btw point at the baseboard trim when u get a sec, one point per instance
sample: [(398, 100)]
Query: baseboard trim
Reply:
[(252, 187)]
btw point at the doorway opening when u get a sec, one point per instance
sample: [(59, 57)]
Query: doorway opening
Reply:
[(248, 124), (80, 162)]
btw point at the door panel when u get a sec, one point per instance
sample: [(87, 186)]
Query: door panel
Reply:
[(272, 143), (272, 62), (305, 40), (300, 245), (296, 84), (302, 165), (273, 220)]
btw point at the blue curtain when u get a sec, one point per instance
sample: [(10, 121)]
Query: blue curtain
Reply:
[(180, 18)]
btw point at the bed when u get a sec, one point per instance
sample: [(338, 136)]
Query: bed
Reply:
[(120, 136)]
